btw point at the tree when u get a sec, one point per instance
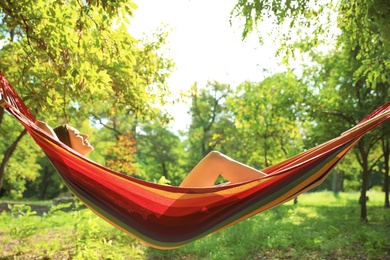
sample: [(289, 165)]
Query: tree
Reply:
[(386, 160), (269, 117), (311, 24), (361, 58), (68, 57), (209, 119), (8, 154), (159, 153), (365, 29), (80, 51), (344, 102), (118, 155), (19, 160), (121, 155), (47, 184)]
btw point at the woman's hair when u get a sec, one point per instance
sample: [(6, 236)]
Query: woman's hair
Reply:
[(63, 134)]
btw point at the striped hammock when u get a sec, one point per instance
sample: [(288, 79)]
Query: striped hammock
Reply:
[(168, 217)]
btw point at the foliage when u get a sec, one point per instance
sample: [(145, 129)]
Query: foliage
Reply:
[(106, 132), (75, 61), (47, 185), (210, 119), (322, 225), (270, 119), (22, 166), (365, 26), (69, 59), (77, 51), (160, 153), (362, 23), (121, 157), (289, 21), (342, 102), (351, 77)]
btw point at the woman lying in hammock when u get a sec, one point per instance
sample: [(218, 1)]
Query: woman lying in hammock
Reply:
[(204, 174)]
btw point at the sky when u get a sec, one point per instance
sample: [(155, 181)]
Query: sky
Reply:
[(204, 45)]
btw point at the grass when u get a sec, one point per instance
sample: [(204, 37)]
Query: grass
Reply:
[(321, 226)]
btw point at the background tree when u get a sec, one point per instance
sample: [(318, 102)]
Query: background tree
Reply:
[(160, 153), (114, 137), (209, 120), (21, 163), (269, 118), (362, 64), (385, 142), (121, 155), (47, 185), (344, 102)]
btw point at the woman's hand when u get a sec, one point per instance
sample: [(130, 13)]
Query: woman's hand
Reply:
[(45, 127), (41, 124)]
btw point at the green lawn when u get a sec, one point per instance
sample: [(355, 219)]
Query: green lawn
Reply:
[(321, 226)]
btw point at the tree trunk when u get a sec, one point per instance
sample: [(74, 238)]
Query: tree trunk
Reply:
[(46, 176), (1, 114), (386, 184), (365, 179), (165, 171), (7, 155), (363, 194), (337, 181)]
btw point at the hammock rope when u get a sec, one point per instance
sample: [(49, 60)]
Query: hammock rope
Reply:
[(168, 217)]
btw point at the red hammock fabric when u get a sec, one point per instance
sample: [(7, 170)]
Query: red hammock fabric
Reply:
[(168, 217)]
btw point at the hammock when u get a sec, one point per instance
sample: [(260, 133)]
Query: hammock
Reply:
[(168, 217)]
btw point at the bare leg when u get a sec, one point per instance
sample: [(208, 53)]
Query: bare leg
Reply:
[(207, 171)]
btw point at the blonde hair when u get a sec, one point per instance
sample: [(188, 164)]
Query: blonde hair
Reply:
[(63, 134)]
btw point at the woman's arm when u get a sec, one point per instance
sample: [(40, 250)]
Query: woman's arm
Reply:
[(207, 171), (45, 127)]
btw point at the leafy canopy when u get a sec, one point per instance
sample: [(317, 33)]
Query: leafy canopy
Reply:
[(61, 53)]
